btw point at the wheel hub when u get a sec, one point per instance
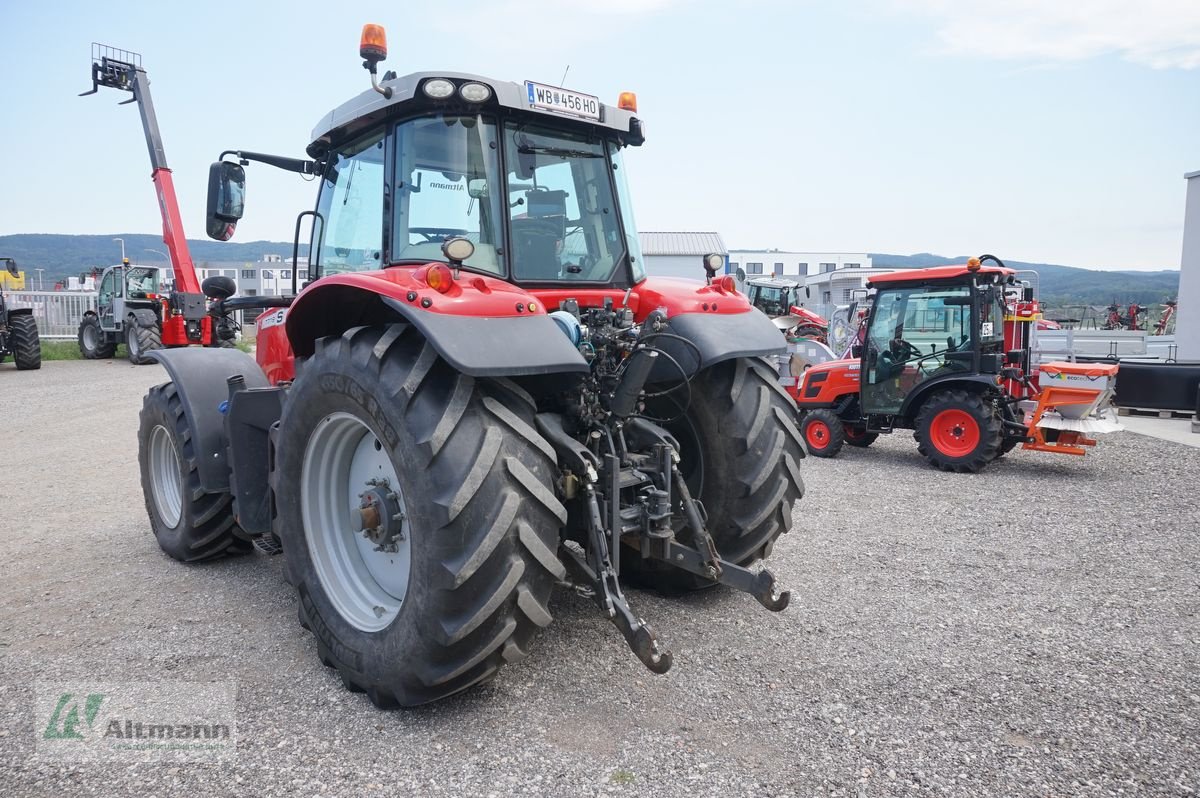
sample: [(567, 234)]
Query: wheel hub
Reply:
[(379, 517)]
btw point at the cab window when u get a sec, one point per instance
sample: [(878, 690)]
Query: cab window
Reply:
[(351, 204)]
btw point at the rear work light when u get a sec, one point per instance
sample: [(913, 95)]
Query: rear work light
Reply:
[(474, 92)]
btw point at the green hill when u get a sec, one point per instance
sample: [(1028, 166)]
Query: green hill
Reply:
[(1068, 285), (64, 255)]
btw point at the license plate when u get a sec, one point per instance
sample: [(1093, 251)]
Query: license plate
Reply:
[(562, 101)]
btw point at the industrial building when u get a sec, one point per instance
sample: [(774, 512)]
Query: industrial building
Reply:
[(679, 254)]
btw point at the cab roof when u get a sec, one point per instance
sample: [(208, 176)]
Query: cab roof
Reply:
[(370, 107), (952, 272)]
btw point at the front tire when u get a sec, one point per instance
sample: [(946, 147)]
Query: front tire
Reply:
[(958, 431), (24, 342), (92, 343), (823, 432), (190, 524), (740, 454), (467, 587), (141, 341)]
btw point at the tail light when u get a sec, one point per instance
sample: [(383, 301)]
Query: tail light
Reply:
[(439, 278)]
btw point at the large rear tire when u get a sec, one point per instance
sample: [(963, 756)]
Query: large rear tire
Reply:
[(958, 431), (24, 342), (92, 344), (463, 584), (740, 454), (190, 524), (141, 341)]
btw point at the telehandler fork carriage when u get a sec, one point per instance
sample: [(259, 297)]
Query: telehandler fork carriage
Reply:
[(478, 395)]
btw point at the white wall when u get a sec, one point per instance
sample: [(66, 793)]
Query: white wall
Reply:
[(795, 263), (1187, 324)]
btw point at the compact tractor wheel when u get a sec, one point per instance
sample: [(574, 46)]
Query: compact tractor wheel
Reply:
[(92, 343), (823, 432), (190, 524), (418, 517), (740, 453), (858, 436), (958, 431), (141, 341), (24, 342)]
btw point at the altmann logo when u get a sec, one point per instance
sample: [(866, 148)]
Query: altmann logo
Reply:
[(447, 186), (136, 721), (64, 723)]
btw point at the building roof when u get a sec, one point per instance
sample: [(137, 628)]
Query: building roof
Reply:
[(681, 243), (1190, 175)]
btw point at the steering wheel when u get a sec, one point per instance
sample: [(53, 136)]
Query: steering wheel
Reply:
[(903, 350), (437, 233)]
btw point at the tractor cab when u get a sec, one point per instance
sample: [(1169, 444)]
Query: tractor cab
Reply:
[(125, 288), (929, 327), (773, 296)]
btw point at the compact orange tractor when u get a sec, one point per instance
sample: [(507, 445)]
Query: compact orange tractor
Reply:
[(946, 353)]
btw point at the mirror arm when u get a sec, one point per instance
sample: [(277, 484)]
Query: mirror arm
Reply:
[(299, 165)]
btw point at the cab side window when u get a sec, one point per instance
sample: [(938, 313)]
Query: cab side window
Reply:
[(351, 204)]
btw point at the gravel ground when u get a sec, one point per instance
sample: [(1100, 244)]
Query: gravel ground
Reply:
[(1031, 630)]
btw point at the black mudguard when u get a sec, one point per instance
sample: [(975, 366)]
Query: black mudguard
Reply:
[(144, 318), (496, 347), (975, 383), (715, 337), (200, 375)]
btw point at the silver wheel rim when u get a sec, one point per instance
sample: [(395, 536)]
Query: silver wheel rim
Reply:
[(131, 341), (166, 484), (89, 337), (342, 458)]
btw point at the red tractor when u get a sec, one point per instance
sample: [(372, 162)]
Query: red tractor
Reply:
[(477, 396), (945, 352)]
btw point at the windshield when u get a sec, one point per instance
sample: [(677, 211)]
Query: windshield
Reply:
[(445, 169), (141, 281), (562, 213), (774, 301)]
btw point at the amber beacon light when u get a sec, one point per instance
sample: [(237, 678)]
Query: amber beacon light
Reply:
[(373, 44)]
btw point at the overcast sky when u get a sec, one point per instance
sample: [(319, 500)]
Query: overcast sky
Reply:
[(1040, 131)]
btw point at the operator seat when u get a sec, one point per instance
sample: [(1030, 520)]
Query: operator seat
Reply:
[(535, 249)]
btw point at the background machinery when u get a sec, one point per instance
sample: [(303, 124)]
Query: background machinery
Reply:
[(179, 317), (478, 395), (946, 352), (780, 299), (18, 329), (130, 308)]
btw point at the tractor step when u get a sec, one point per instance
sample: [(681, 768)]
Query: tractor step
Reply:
[(268, 544)]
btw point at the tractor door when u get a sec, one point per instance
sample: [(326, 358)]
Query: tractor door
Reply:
[(915, 333), (108, 297)]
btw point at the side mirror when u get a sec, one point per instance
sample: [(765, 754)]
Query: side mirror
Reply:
[(477, 189), (12, 267), (226, 198), (219, 287), (807, 292), (741, 274)]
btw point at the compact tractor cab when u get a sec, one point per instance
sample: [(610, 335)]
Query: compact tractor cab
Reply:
[(477, 395), (18, 329), (946, 352), (132, 307)]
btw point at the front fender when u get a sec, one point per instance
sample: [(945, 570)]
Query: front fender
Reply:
[(144, 318), (200, 375)]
